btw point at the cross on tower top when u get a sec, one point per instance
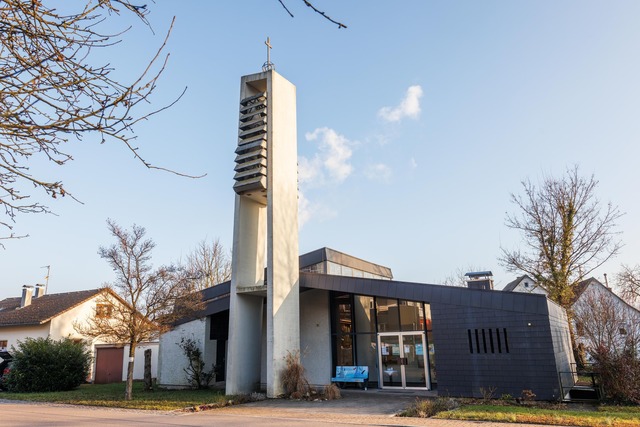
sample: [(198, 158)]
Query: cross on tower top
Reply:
[(268, 65)]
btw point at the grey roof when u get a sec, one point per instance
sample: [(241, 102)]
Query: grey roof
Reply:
[(328, 254), (41, 309)]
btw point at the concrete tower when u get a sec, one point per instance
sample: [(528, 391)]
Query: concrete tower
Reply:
[(265, 231)]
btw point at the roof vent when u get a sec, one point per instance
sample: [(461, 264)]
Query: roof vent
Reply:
[(480, 280)]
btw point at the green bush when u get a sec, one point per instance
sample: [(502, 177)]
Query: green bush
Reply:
[(43, 364), (199, 378)]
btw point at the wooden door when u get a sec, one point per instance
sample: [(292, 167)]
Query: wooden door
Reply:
[(109, 365)]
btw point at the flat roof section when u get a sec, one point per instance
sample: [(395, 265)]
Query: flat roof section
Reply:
[(328, 254)]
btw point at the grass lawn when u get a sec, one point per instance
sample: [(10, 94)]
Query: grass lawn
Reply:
[(112, 395), (612, 416)]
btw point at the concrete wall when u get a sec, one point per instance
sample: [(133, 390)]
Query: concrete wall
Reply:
[(530, 363), (171, 360), (283, 319), (315, 336)]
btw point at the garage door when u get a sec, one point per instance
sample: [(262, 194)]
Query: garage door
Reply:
[(108, 365)]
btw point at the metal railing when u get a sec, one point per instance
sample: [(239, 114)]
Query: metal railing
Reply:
[(580, 384)]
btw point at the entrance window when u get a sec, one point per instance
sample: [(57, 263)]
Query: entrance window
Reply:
[(387, 311), (344, 350), (367, 355), (411, 316), (364, 314)]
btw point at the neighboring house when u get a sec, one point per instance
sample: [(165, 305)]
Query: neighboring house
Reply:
[(591, 292), (39, 315), (524, 284)]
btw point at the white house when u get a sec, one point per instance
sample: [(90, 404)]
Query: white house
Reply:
[(36, 315), (524, 284)]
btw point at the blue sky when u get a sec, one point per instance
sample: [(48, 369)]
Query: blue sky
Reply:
[(415, 125)]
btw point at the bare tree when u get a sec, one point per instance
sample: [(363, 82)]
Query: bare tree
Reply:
[(208, 265), (146, 299), (53, 92), (629, 284), (604, 323), (567, 233), (316, 10), (610, 331)]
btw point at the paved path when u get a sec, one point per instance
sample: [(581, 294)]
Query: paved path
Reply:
[(370, 408)]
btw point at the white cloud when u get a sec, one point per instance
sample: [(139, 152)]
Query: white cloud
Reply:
[(409, 107), (304, 210), (378, 172), (308, 210), (331, 164), (333, 157), (412, 163)]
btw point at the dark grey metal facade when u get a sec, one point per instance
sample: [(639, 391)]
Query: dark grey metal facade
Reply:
[(525, 344), (532, 346)]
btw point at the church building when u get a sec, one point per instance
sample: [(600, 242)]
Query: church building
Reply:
[(335, 309)]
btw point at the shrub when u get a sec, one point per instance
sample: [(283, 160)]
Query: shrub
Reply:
[(619, 375), (527, 396), (331, 392), (294, 381), (488, 393), (197, 375), (429, 407), (43, 364)]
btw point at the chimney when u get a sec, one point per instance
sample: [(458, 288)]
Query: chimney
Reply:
[(480, 280), (27, 291), (39, 291)]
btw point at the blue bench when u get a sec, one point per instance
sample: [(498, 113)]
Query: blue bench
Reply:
[(351, 374)]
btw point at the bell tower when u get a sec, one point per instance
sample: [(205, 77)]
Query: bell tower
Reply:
[(265, 233)]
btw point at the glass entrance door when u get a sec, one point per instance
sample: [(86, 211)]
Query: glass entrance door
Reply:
[(403, 360)]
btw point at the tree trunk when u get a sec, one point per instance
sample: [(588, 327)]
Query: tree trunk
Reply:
[(128, 394), (148, 386)]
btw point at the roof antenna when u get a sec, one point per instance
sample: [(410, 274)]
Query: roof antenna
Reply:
[(46, 279)]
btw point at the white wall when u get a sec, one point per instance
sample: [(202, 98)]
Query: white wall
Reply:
[(62, 326), (138, 363), (171, 360), (13, 334), (315, 336), (532, 287)]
